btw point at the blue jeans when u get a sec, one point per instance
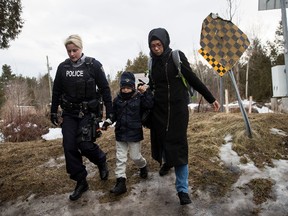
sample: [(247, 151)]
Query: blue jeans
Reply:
[(181, 173)]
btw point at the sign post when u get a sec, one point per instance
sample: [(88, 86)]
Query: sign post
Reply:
[(284, 24), (222, 45)]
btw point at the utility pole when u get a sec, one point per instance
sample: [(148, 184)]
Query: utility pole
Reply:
[(49, 80), (280, 4), (284, 22)]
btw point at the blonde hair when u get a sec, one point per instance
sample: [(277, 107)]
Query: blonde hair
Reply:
[(74, 39)]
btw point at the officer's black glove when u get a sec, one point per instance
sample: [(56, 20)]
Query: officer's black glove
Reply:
[(106, 124), (54, 119), (141, 83)]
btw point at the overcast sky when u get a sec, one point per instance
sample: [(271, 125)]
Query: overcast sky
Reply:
[(114, 31)]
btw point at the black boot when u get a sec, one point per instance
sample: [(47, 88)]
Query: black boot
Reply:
[(120, 186), (80, 188), (164, 169), (144, 172), (103, 170), (184, 198)]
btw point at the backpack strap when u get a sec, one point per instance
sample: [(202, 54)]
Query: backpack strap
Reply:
[(177, 62)]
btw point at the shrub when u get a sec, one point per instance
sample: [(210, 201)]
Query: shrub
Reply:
[(25, 128)]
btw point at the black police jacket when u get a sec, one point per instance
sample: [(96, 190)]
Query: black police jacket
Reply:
[(77, 83)]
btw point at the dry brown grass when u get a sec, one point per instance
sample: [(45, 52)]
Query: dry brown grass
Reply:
[(261, 190), (24, 170)]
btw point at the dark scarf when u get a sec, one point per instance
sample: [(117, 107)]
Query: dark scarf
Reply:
[(127, 96)]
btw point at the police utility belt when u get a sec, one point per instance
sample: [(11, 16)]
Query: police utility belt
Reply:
[(83, 107)]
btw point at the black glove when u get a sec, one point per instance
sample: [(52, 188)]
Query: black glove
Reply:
[(141, 83), (106, 124), (54, 118)]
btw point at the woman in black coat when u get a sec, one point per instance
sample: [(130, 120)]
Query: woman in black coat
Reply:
[(170, 111)]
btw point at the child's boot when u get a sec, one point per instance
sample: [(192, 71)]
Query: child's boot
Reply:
[(144, 172), (120, 186)]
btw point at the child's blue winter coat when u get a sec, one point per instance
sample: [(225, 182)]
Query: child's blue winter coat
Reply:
[(127, 114)]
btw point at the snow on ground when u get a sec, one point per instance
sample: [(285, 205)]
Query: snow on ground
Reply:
[(54, 133), (277, 174), (260, 109)]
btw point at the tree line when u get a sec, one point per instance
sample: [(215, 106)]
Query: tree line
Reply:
[(252, 71), (257, 62)]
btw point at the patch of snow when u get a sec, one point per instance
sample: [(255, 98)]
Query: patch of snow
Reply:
[(54, 133), (278, 132), (277, 174)]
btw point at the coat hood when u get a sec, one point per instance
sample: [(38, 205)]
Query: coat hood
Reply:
[(162, 35)]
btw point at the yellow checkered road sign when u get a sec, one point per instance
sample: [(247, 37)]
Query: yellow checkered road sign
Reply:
[(223, 40), (216, 65)]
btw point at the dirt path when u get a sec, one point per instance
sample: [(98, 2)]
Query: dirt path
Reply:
[(155, 196)]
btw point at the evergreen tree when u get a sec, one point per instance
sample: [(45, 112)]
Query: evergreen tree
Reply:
[(7, 74), (279, 38), (138, 65), (260, 80), (276, 48), (10, 21), (5, 78)]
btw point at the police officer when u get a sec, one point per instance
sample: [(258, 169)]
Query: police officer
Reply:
[(74, 89)]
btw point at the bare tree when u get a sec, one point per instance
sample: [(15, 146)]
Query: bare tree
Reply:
[(42, 94), (206, 74), (231, 11), (17, 96), (232, 8)]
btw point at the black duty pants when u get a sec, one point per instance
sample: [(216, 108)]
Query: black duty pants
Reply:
[(74, 151)]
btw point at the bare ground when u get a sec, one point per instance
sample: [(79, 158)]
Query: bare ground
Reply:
[(33, 179)]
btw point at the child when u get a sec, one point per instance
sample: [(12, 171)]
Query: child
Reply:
[(127, 110)]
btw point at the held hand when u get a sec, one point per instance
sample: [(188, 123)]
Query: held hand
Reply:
[(106, 124), (54, 119), (216, 106), (142, 88)]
